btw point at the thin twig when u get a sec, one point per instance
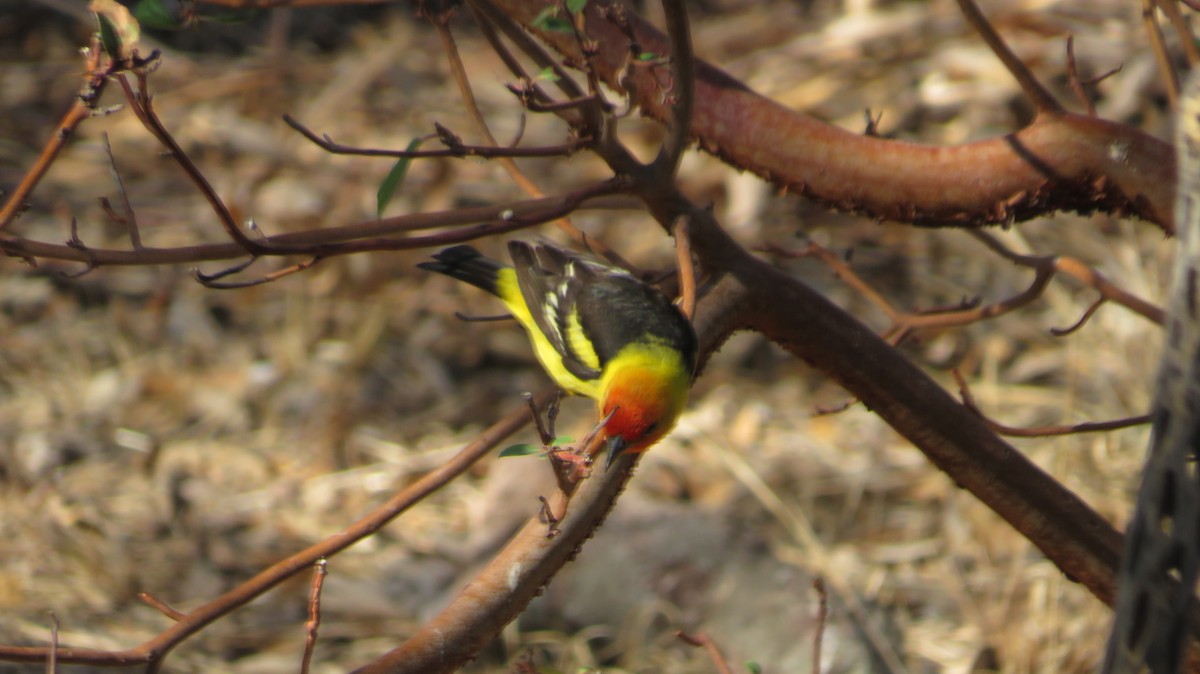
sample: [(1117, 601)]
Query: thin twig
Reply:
[(545, 429), (589, 50), (704, 641), (95, 80), (1074, 81), (581, 111), (592, 115), (1159, 46), (871, 128), (687, 269), (320, 570), (454, 149), (1084, 273), (1186, 38), (211, 282), (161, 606), (1044, 431), (1083, 319), (555, 107), (52, 661), (518, 176), (529, 91), (1041, 98), (142, 105), (1044, 267), (128, 217), (822, 617), (76, 243), (472, 222), (683, 72)]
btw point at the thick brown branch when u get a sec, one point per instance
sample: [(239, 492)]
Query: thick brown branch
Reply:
[(1060, 162), (750, 294), (509, 582), (753, 295)]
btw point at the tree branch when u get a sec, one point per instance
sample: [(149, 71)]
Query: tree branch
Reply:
[(1059, 162)]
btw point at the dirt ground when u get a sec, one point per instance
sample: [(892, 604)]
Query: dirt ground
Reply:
[(159, 436)]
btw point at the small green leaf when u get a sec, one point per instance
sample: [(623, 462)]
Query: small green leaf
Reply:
[(754, 667), (108, 37), (119, 30), (647, 56), (562, 440), (576, 6), (387, 188), (522, 449), (547, 75), (152, 14), (549, 20), (547, 13)]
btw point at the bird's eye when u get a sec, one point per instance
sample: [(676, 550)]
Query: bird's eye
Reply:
[(650, 428)]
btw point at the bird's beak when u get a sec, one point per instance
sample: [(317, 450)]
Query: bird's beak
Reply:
[(616, 445)]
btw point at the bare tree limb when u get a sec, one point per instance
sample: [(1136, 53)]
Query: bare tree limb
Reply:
[(472, 222), (1059, 162)]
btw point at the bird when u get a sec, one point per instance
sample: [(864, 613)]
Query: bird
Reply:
[(597, 330)]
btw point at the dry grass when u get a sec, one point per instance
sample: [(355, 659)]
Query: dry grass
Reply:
[(156, 436)]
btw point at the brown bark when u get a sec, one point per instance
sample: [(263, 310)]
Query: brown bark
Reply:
[(1062, 161)]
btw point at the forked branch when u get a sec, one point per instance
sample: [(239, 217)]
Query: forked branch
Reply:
[(1062, 161)]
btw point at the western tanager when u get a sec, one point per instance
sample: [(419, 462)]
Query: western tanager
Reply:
[(596, 329)]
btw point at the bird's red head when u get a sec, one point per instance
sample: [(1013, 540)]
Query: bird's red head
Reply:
[(641, 407)]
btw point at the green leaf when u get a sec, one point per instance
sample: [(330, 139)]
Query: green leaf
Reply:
[(754, 667), (549, 20), (547, 75), (576, 6), (152, 14), (522, 449), (108, 37), (562, 440), (647, 56), (119, 31), (387, 188)]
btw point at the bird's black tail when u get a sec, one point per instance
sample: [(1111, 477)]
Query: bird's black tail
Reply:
[(467, 264)]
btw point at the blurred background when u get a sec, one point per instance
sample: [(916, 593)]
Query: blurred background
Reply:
[(159, 436)]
